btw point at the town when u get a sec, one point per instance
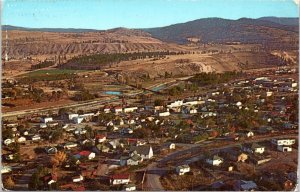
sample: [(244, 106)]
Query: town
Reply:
[(231, 136)]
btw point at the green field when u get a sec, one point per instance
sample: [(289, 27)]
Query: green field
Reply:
[(51, 72)]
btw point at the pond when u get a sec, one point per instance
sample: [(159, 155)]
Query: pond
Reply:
[(113, 92), (158, 88)]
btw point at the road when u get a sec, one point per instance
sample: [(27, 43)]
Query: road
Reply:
[(154, 172)]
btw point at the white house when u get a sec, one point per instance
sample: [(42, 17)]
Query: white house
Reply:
[(21, 140), (283, 141), (215, 160), (8, 141), (100, 138), (164, 114), (77, 179), (78, 120), (71, 116), (70, 145), (182, 169), (46, 119), (80, 131), (284, 148), (130, 187), (119, 179), (130, 109), (177, 103), (35, 137), (254, 148), (43, 125), (118, 110)]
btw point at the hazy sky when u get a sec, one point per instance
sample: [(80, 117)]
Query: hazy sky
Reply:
[(105, 14)]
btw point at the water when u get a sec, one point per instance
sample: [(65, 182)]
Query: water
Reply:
[(113, 92), (158, 88)]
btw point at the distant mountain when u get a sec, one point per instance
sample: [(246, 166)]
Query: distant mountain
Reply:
[(61, 30), (282, 20), (217, 30)]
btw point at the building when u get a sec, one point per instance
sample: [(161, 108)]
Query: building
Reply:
[(215, 160), (284, 148), (119, 179), (182, 169), (253, 148), (46, 119), (283, 141), (145, 151)]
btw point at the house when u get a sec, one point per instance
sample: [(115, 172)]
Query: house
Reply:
[(88, 154), (241, 185), (43, 125), (214, 160), (70, 145), (50, 178), (283, 141), (164, 114), (284, 148), (8, 141), (253, 148), (21, 140), (177, 103), (130, 109), (259, 158), (131, 160), (78, 119), (145, 151), (119, 179), (117, 109), (129, 187), (51, 150), (170, 146), (71, 116), (235, 155), (126, 131), (100, 138), (77, 178), (35, 137), (106, 109), (5, 169), (101, 148), (182, 169), (79, 131), (247, 133), (46, 119)]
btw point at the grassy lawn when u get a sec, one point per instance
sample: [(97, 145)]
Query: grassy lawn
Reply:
[(51, 72)]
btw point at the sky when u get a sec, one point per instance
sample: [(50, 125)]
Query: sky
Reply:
[(107, 14)]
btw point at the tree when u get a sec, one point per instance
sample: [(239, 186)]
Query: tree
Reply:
[(159, 102), (58, 158), (9, 183), (62, 111)]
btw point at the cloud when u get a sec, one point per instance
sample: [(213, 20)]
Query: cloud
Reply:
[(296, 1)]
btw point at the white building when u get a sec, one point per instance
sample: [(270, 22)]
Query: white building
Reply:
[(283, 141), (46, 119), (284, 148), (182, 169), (215, 160), (164, 114), (130, 109), (77, 178), (177, 103)]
